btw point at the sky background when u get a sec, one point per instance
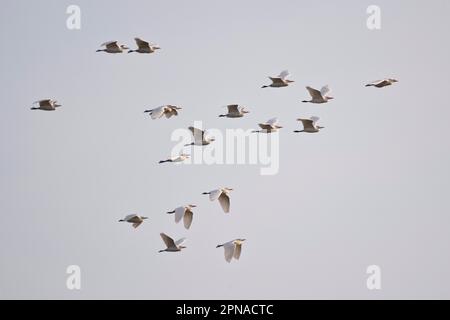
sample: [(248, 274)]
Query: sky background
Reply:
[(370, 188)]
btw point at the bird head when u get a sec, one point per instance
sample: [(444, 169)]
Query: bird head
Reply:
[(289, 81), (192, 205), (393, 80), (143, 218), (124, 47), (182, 247), (244, 111), (228, 189), (156, 47)]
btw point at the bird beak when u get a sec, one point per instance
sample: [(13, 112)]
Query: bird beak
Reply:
[(143, 218)]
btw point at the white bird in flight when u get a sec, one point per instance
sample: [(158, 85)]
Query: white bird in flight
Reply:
[(234, 111), (167, 110), (310, 125), (184, 213), (135, 219), (144, 46), (199, 138), (172, 246), (46, 105), (177, 159), (232, 249), (279, 81), (319, 96), (222, 195), (113, 47), (382, 83), (269, 126)]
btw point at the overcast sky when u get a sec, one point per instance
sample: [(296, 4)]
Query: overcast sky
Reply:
[(372, 188)]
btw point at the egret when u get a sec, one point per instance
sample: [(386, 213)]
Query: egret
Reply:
[(310, 125), (172, 246), (319, 96), (144, 46), (135, 219), (234, 111), (382, 83), (199, 138), (269, 126), (46, 105), (279, 81), (176, 159), (113, 47), (222, 195), (184, 213), (167, 110), (232, 249)]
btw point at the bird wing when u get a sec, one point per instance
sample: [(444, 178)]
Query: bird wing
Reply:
[(214, 195), (136, 224), (233, 108), (179, 212), (157, 113), (315, 94), (109, 43), (180, 241), (307, 123), (277, 80), (265, 126), (237, 250), (112, 45), (188, 217), (325, 91), (224, 201), (197, 133), (314, 119), (229, 248), (283, 74), (141, 43), (272, 121), (130, 216), (167, 240)]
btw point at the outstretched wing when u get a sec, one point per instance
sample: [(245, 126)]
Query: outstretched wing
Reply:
[(314, 119), (188, 217), (325, 91), (224, 201), (167, 240), (157, 113), (229, 250), (180, 241), (141, 43), (272, 121), (284, 74), (136, 224), (233, 108), (307, 123), (214, 195), (179, 212), (237, 251), (315, 94), (197, 133), (277, 80)]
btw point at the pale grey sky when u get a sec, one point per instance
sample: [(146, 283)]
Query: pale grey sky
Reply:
[(374, 191)]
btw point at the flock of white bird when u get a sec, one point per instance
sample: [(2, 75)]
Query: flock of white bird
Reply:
[(233, 248)]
